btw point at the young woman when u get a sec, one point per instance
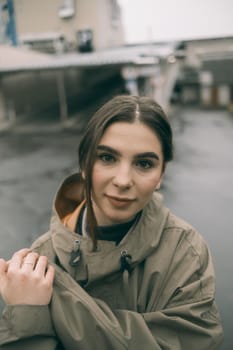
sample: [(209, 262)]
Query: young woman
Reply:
[(117, 270)]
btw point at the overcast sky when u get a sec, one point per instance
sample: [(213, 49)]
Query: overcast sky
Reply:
[(156, 20)]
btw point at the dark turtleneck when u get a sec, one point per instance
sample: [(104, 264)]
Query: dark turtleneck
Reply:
[(114, 233)]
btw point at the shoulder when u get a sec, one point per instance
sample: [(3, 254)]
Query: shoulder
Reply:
[(188, 237), (177, 231), (43, 245)]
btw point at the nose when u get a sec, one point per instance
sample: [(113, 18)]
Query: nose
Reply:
[(123, 176)]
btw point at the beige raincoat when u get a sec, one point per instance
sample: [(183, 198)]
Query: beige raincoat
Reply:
[(162, 298)]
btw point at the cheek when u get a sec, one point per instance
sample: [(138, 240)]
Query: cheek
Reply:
[(98, 176), (147, 186)]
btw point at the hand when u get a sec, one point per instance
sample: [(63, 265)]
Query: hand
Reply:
[(26, 279)]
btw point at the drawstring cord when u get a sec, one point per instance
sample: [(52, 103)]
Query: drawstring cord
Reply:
[(126, 268), (125, 261)]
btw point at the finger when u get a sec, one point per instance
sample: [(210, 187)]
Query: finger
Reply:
[(49, 276), (41, 265), (30, 260), (17, 258)]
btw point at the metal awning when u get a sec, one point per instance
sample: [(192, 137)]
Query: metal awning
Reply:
[(18, 60), (14, 60)]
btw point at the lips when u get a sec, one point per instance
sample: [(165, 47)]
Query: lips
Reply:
[(119, 201)]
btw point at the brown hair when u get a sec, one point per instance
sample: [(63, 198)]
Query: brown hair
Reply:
[(128, 109)]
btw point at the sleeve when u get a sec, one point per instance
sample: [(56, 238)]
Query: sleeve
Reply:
[(188, 320), (27, 327)]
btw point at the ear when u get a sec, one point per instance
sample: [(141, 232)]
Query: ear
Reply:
[(83, 174), (159, 183), (158, 186)]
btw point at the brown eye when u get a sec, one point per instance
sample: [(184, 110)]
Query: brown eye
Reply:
[(106, 158), (144, 164)]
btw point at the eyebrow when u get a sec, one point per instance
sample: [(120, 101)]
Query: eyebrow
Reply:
[(140, 155)]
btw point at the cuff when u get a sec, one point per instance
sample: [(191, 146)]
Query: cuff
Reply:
[(28, 320)]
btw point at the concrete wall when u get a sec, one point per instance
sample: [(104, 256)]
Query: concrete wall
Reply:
[(41, 17)]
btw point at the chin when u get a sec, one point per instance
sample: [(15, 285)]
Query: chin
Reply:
[(119, 219)]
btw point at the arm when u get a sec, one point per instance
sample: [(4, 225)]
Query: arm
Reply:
[(26, 327), (26, 288)]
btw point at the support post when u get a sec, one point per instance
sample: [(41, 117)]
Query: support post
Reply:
[(3, 108), (130, 75), (62, 96)]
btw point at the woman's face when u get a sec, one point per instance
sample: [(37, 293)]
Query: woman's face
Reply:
[(127, 169)]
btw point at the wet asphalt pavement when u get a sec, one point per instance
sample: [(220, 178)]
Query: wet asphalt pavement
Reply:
[(197, 186)]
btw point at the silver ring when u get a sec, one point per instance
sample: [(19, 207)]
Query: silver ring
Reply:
[(28, 263)]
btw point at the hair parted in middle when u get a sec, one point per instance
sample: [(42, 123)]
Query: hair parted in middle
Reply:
[(122, 108)]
